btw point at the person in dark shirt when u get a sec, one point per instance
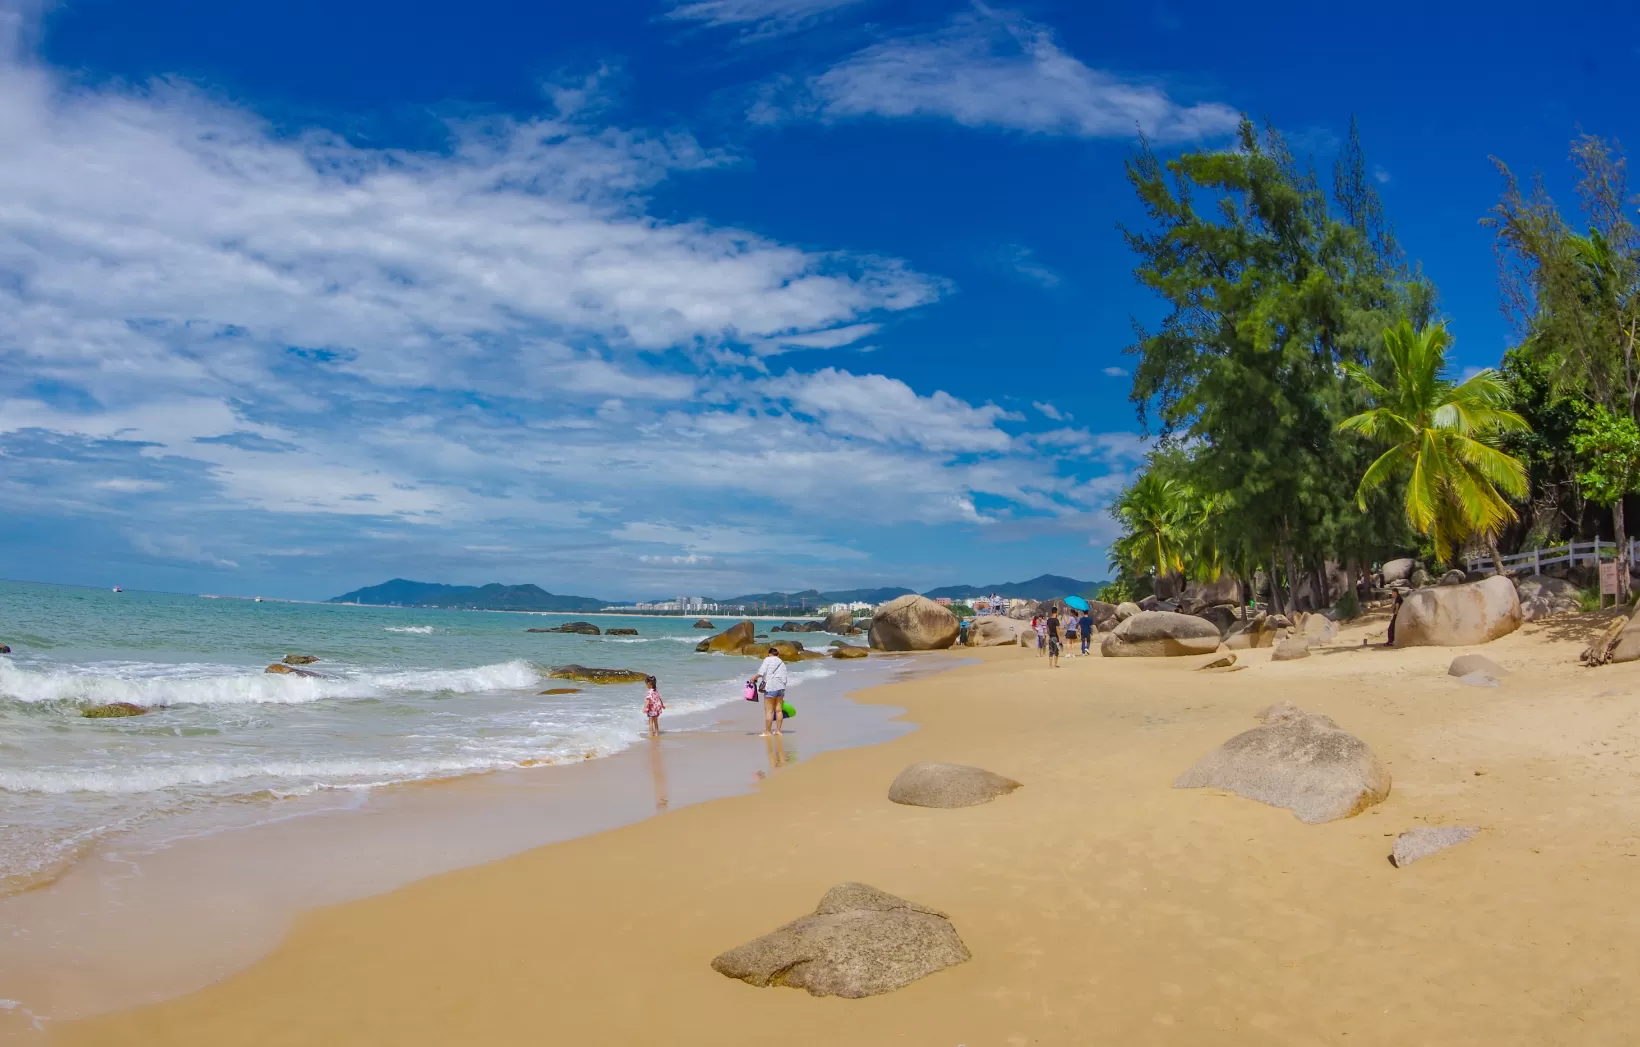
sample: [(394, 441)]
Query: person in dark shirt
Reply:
[(1053, 637), (1084, 625)]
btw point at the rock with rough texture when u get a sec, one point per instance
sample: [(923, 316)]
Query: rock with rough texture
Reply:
[(1318, 628), (586, 675), (1223, 618), (1398, 571), (1454, 577), (1151, 634), (1225, 591), (1291, 649), (1258, 631), (580, 628), (1150, 603), (995, 631), (839, 621), (1101, 612), (300, 659), (789, 650), (1458, 615), (280, 669), (4, 649), (849, 651), (913, 623), (1465, 664), (560, 690), (1126, 609), (703, 624), (1542, 596), (1626, 648), (620, 632), (948, 785), (858, 942), (1420, 578), (730, 640), (1305, 763), (1282, 710), (1222, 662), (112, 710), (1426, 840)]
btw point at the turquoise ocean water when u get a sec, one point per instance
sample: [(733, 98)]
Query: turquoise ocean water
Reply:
[(402, 695)]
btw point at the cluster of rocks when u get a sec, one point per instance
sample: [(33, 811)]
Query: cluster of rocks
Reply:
[(596, 675), (290, 666), (742, 638), (583, 628), (800, 627)]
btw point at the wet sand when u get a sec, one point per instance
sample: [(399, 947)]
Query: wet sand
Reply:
[(1100, 905)]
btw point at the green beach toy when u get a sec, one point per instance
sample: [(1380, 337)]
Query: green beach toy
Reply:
[(788, 710)]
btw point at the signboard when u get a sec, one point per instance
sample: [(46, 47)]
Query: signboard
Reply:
[(1608, 580)]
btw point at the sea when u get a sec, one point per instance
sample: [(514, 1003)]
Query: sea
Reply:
[(400, 695)]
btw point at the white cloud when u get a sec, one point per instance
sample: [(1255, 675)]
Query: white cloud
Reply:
[(1023, 261), (1380, 174), (1049, 411), (1116, 372), (758, 18), (875, 407), (996, 69), (126, 485)]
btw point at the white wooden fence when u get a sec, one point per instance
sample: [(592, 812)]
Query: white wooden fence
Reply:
[(1572, 553)]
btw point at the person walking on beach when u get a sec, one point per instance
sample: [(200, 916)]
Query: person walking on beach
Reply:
[(1052, 626), (653, 706), (1394, 609), (1084, 625), (1039, 626), (771, 680)]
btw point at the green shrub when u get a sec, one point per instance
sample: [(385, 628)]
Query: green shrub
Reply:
[(1349, 605), (1588, 599)]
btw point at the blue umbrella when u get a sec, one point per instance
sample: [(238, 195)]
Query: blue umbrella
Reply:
[(1076, 602)]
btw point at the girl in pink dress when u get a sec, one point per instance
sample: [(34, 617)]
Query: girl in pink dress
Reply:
[(652, 706)]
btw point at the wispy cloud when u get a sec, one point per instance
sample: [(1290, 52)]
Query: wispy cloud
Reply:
[(1116, 372), (758, 18), (1022, 261), (990, 68), (1048, 410)]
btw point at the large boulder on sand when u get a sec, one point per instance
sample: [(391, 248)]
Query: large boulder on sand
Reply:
[(948, 785), (1225, 591), (1223, 618), (1150, 634), (1101, 612), (1301, 761), (1542, 595), (1262, 630), (839, 621), (1454, 577), (858, 942), (1465, 664), (1126, 609), (730, 640), (1291, 649), (1398, 571), (913, 623), (1458, 615), (989, 630)]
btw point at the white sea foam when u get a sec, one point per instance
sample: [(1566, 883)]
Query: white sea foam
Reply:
[(420, 630), (165, 685)]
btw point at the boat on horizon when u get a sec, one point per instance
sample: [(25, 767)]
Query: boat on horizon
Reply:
[(118, 589)]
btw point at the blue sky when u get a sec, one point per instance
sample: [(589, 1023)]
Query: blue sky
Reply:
[(632, 299)]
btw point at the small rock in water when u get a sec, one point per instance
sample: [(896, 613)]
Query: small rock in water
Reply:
[(300, 659), (285, 670), (4, 649), (112, 710), (560, 690), (843, 650), (703, 624), (586, 675), (620, 632), (1423, 842)]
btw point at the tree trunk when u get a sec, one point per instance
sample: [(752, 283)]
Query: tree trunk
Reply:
[(1277, 600), (1492, 548), (1622, 547), (1291, 607)]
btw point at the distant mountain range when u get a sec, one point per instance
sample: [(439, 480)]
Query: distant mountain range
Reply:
[(402, 592), (493, 597)]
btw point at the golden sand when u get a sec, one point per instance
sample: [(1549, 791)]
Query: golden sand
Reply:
[(1101, 905)]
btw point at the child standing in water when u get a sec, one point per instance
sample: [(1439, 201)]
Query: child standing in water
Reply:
[(652, 706)]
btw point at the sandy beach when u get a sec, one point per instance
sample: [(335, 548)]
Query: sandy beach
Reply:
[(1100, 904)]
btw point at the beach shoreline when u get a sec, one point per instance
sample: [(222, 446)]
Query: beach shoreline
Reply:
[(1098, 902), (146, 919)]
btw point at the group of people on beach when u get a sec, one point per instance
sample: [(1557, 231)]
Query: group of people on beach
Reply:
[(770, 683), (1049, 629)]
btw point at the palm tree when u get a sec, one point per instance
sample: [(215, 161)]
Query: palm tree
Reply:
[(1151, 512), (1438, 432)]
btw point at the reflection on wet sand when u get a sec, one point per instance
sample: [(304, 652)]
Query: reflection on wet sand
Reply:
[(780, 752), (657, 772)]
